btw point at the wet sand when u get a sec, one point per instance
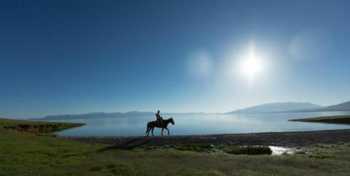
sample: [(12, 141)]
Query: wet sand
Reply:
[(286, 139)]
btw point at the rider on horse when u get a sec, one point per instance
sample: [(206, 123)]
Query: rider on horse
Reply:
[(159, 118), (159, 123)]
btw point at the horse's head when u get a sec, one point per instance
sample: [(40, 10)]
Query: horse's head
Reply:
[(172, 121)]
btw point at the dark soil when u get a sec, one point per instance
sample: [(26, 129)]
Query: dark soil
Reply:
[(287, 139)]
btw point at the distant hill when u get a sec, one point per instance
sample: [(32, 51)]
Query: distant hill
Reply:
[(339, 107), (279, 107), (97, 115), (263, 108)]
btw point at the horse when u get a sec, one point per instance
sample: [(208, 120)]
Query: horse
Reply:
[(156, 124)]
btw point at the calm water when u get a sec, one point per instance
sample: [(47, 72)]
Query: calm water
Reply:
[(187, 124)]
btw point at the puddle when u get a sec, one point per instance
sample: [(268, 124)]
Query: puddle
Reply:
[(276, 150)]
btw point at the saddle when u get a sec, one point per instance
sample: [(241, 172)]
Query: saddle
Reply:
[(159, 122)]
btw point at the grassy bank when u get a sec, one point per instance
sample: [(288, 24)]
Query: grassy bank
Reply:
[(342, 119), (26, 153), (36, 127)]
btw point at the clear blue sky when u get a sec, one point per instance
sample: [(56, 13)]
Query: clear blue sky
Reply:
[(66, 56)]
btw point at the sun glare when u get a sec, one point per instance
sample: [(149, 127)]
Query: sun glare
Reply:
[(251, 65)]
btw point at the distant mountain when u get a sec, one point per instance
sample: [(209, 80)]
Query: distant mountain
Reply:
[(279, 107), (97, 115), (339, 107)]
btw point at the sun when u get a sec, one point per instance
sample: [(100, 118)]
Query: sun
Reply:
[(251, 65)]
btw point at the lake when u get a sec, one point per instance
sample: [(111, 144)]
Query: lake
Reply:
[(189, 124)]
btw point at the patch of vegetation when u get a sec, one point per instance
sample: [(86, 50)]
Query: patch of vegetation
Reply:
[(27, 154), (208, 148), (248, 150), (342, 119), (196, 147), (36, 127)]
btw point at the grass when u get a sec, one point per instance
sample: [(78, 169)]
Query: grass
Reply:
[(25, 153), (37, 127), (342, 119)]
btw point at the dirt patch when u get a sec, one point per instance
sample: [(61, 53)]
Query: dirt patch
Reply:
[(286, 139)]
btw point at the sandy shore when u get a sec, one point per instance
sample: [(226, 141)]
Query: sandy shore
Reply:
[(287, 139)]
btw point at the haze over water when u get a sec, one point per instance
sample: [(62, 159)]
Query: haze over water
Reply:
[(190, 124)]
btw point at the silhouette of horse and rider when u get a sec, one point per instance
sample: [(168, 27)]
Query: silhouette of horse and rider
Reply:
[(159, 123)]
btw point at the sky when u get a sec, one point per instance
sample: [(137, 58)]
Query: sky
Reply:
[(64, 56)]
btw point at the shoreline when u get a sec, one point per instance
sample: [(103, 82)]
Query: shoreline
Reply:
[(285, 139)]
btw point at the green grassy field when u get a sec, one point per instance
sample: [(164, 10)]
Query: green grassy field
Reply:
[(341, 119), (36, 127), (26, 153)]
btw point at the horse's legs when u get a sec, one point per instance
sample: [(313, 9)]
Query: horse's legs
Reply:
[(147, 131), (168, 131), (162, 131), (152, 132)]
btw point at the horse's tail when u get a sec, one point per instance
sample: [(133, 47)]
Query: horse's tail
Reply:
[(148, 127)]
